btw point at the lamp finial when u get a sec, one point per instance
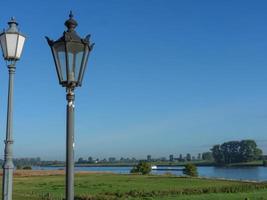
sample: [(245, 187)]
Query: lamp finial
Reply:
[(71, 23), (71, 14)]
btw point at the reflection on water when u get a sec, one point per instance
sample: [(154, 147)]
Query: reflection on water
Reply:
[(239, 173), (244, 173)]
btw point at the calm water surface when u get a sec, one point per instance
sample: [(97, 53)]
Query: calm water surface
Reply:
[(244, 173)]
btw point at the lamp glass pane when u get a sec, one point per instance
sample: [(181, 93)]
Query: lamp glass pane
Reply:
[(75, 54), (84, 63), (79, 57), (71, 58), (60, 56), (20, 46), (3, 44), (11, 41)]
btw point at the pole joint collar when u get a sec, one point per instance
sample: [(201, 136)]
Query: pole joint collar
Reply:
[(8, 141), (70, 95), (11, 68)]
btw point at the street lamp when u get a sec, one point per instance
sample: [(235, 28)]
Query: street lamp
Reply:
[(12, 42), (70, 53)]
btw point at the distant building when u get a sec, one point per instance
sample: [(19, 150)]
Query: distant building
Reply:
[(181, 158), (171, 158), (133, 159), (207, 156), (90, 159), (112, 159), (128, 159), (188, 157), (148, 158), (163, 159)]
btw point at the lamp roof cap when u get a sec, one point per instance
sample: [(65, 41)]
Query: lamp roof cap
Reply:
[(13, 25)]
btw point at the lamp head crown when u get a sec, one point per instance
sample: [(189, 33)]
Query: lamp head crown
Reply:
[(13, 25), (71, 23)]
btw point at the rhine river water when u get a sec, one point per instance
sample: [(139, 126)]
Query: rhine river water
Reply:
[(237, 173)]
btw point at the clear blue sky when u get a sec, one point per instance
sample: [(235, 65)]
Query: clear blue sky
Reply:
[(165, 77)]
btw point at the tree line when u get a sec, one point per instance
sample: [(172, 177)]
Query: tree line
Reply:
[(236, 152)]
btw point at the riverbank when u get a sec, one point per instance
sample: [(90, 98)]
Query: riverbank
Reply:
[(238, 173), (38, 173), (38, 185)]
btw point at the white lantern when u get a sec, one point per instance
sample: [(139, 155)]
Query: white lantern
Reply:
[(12, 42)]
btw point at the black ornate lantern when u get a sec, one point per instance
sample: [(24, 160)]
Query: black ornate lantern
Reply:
[(70, 53)]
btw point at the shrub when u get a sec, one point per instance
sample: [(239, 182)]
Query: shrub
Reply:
[(142, 167), (27, 168), (18, 167), (190, 170)]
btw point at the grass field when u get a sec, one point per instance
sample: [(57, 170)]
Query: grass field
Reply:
[(46, 185)]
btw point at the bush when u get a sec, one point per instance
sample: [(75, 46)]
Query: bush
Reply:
[(18, 167), (190, 170), (27, 168), (142, 167), (264, 163)]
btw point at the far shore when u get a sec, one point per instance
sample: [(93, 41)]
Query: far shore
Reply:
[(164, 164)]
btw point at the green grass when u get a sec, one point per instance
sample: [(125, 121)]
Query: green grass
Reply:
[(135, 187), (258, 195)]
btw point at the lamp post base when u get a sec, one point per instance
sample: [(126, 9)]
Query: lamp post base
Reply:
[(7, 182)]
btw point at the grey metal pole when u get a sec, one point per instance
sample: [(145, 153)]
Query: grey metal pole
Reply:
[(8, 165), (70, 145)]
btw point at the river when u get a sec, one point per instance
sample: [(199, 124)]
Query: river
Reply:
[(236, 173)]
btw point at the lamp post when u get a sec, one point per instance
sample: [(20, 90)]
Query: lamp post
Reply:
[(70, 53), (12, 43)]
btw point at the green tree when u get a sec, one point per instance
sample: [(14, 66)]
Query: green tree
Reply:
[(80, 160), (236, 151), (18, 167), (207, 156), (27, 168), (142, 167), (217, 154), (230, 151), (190, 170), (249, 150)]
